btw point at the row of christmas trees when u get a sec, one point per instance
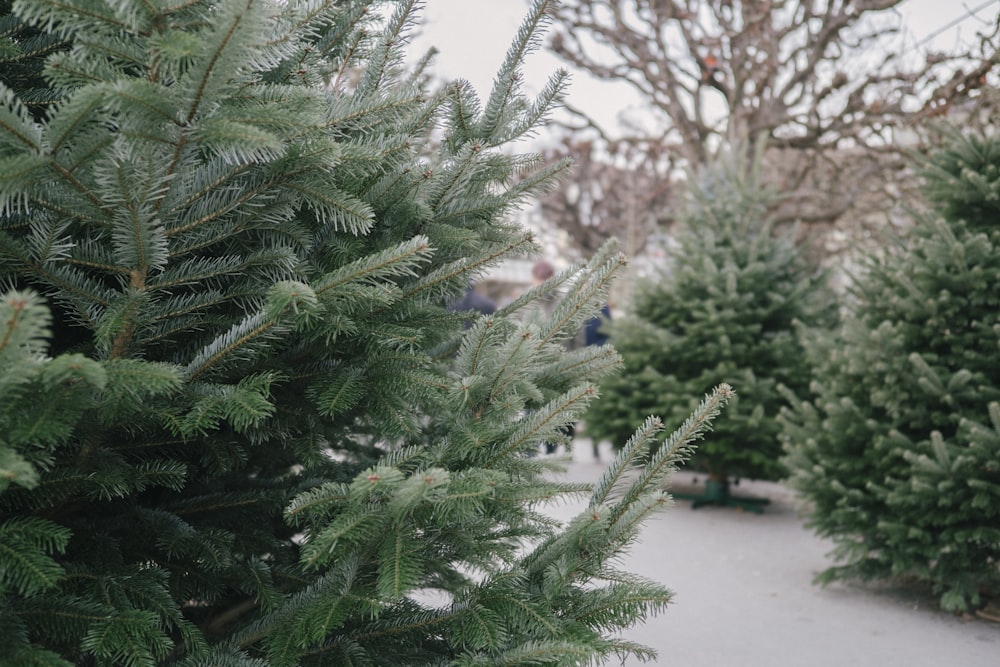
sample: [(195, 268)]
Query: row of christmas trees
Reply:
[(882, 407), (239, 425)]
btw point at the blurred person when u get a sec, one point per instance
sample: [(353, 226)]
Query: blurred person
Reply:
[(595, 334), (593, 329), (472, 300)]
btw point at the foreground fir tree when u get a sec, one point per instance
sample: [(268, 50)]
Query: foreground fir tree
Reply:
[(238, 425), (898, 447), (723, 309)]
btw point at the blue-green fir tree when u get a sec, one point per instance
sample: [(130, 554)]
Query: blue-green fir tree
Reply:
[(897, 445), (238, 425), (723, 307)]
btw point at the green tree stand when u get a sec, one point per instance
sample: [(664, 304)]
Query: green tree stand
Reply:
[(717, 492)]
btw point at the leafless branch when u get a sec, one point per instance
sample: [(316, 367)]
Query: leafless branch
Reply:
[(815, 77)]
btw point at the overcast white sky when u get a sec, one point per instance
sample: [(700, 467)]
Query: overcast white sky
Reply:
[(472, 37)]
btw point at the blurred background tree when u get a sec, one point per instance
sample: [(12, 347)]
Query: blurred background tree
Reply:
[(723, 307), (897, 444)]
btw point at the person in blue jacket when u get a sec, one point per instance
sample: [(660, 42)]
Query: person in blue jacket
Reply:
[(592, 334), (473, 300)]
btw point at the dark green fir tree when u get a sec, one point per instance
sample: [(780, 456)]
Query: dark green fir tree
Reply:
[(238, 425), (723, 308), (897, 446)]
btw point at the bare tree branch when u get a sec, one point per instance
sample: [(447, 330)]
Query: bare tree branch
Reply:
[(620, 188), (812, 76)]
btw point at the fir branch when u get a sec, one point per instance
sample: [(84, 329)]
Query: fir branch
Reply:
[(72, 209), (456, 180), (465, 110), (243, 406), (630, 456), (72, 114), (16, 174), (396, 261), (97, 265), (515, 352), (24, 322), (474, 343), (352, 527), (584, 295), (309, 616), (544, 492), (219, 44), (675, 449), (398, 565), (507, 82), (206, 180), (53, 611), (538, 183), (356, 114), (534, 652), (194, 271), (242, 196), (302, 18), (131, 638), (348, 58), (25, 561), (427, 620), (388, 51), (335, 208), (624, 647), (238, 143), (536, 426), (50, 15), (621, 606), (16, 122), (232, 19), (590, 362), (550, 96), (328, 494), (66, 383), (465, 268), (628, 518), (531, 612), (215, 502), (237, 339), (422, 66), (78, 185), (15, 469), (223, 656), (338, 391), (542, 291), (153, 99)]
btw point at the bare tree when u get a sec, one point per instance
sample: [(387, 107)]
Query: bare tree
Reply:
[(619, 188), (829, 83)]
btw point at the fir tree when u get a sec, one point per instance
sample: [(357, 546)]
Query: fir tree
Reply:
[(238, 425), (898, 447), (722, 309)]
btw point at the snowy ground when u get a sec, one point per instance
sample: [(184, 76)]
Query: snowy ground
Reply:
[(744, 596)]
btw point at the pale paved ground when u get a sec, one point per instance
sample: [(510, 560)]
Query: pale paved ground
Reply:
[(744, 596)]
